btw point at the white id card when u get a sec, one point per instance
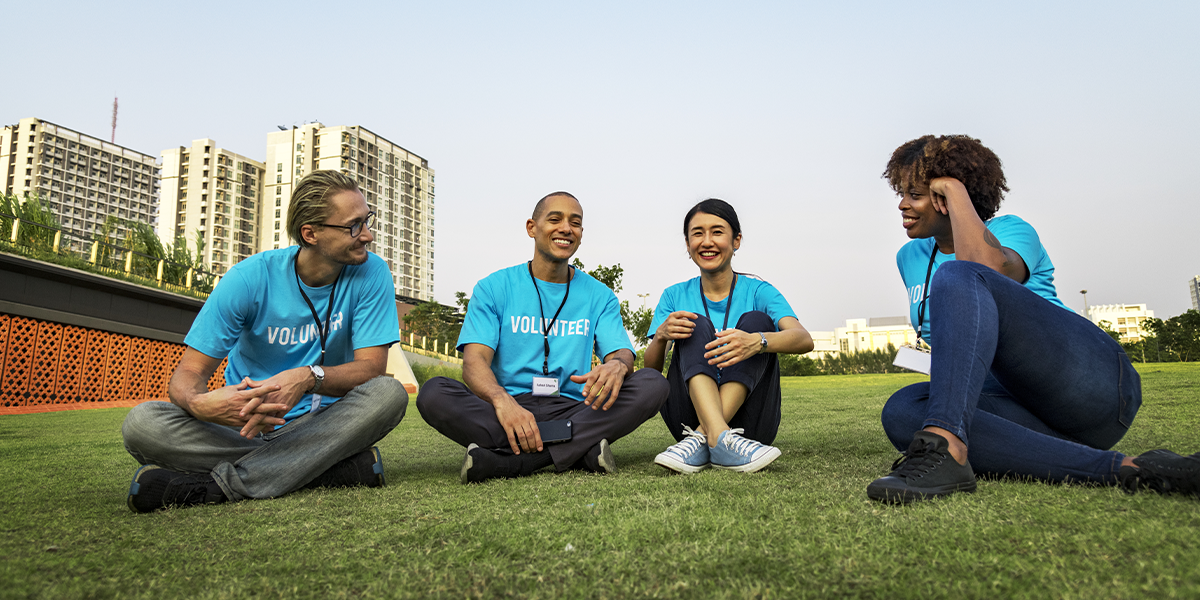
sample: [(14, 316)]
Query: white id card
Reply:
[(545, 386), (912, 359)]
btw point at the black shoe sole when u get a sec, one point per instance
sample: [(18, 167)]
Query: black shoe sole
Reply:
[(895, 492)]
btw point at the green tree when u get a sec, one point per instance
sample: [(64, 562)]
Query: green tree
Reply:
[(32, 213), (1107, 327), (1179, 336), (636, 322), (434, 320), (792, 365)]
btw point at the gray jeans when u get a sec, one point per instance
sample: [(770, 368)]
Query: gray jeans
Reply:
[(272, 464)]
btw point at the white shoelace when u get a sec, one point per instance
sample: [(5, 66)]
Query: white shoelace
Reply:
[(689, 445), (740, 445)]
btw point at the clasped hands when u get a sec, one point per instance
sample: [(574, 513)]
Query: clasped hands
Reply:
[(255, 406)]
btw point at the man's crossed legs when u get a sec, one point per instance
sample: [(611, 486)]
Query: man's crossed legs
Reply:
[(188, 461), (449, 407)]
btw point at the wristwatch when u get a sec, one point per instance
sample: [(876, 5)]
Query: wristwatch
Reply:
[(764, 343), (319, 375)]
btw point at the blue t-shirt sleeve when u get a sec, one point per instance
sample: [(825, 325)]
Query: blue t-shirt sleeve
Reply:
[(773, 303), (1013, 232), (374, 320), (666, 306), (223, 317), (482, 323), (610, 330)]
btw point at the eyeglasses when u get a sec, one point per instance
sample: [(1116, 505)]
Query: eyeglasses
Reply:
[(356, 229)]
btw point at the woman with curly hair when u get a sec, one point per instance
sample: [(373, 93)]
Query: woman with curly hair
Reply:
[(1030, 387), (724, 404)]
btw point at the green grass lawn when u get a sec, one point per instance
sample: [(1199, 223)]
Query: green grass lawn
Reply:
[(801, 528)]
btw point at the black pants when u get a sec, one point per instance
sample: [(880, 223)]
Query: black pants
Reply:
[(452, 409), (759, 415)]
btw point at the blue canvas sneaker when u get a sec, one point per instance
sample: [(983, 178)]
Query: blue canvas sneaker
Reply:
[(688, 456), (736, 453)]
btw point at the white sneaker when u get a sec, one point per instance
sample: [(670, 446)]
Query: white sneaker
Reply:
[(688, 456)]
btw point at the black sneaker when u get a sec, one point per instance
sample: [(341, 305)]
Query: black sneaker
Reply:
[(364, 468), (1164, 472), (599, 459), (154, 487), (481, 464), (926, 471)]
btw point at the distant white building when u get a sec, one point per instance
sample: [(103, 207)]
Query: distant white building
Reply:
[(1125, 319), (860, 335), (1194, 288)]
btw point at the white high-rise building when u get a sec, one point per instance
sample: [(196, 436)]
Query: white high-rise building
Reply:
[(398, 186), (1194, 288), (1125, 319), (216, 194), (83, 179)]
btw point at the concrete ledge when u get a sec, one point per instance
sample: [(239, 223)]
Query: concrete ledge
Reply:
[(41, 290)]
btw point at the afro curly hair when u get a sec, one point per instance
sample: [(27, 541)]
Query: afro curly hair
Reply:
[(959, 156)]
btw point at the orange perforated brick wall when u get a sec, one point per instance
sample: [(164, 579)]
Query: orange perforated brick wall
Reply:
[(46, 366)]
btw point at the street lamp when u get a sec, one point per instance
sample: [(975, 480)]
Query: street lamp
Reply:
[(643, 297), (1085, 306)]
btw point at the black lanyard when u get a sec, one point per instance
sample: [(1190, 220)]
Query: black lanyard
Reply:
[(728, 303), (925, 292), (322, 331), (546, 328)]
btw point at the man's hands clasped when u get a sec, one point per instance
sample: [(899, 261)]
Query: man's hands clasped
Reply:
[(255, 406)]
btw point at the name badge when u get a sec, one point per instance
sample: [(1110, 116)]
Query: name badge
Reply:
[(545, 386), (913, 359)]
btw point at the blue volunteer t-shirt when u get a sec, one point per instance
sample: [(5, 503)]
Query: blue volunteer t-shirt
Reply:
[(1012, 231), (504, 316), (257, 317), (750, 293)]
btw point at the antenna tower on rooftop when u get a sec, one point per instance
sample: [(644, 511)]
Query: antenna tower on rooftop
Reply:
[(114, 123)]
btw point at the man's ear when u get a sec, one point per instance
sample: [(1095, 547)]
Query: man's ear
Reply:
[(529, 226), (308, 234)]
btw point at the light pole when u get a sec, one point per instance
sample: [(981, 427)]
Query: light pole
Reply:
[(643, 297), (1085, 306)]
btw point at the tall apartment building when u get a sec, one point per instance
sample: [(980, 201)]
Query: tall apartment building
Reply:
[(1194, 288), (216, 194), (84, 180), (1125, 319), (398, 186)]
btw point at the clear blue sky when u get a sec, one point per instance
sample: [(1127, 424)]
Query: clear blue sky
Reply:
[(787, 110)]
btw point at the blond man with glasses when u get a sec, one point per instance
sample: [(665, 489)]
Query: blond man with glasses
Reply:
[(307, 331)]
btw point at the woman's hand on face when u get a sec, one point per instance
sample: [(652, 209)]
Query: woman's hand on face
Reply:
[(941, 188), (731, 347), (678, 326)]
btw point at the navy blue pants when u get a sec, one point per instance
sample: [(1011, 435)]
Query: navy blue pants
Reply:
[(1031, 388), (759, 415)]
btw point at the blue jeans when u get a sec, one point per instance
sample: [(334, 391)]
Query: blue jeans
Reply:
[(271, 464), (1031, 388)]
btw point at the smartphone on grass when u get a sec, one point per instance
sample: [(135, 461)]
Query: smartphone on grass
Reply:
[(555, 431)]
